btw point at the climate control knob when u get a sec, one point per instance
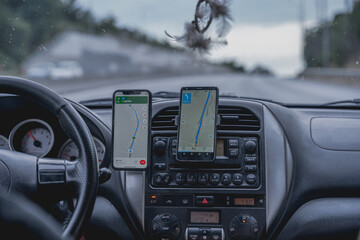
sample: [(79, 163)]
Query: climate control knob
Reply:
[(165, 226), (244, 227)]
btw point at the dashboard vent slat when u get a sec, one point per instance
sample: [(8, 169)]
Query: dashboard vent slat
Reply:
[(231, 118), (165, 120)]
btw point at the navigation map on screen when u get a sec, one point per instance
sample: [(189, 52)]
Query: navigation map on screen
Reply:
[(197, 121), (130, 131)]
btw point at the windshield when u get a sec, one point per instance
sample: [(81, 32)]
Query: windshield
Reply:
[(294, 52)]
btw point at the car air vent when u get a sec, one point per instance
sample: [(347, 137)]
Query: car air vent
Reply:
[(165, 119), (231, 118), (237, 118)]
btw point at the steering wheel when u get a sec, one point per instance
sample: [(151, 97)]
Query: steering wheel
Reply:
[(37, 177), (22, 219)]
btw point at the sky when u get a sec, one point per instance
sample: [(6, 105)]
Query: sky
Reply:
[(264, 32)]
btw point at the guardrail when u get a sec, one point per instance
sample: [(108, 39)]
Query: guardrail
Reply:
[(343, 76)]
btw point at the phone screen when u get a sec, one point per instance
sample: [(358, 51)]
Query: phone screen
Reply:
[(197, 124), (131, 121)]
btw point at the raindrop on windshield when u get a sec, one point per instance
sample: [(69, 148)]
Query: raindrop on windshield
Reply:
[(357, 62), (43, 48)]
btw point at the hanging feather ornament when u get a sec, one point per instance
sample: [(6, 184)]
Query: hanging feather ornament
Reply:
[(207, 12)]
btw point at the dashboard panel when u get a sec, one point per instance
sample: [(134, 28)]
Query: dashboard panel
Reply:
[(295, 172), (301, 170)]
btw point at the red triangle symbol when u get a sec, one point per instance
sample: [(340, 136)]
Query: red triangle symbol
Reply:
[(204, 201)]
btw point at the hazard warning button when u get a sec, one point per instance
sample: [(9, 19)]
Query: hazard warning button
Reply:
[(205, 200)]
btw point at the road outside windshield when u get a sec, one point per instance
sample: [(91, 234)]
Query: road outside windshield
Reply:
[(294, 52), (130, 130), (197, 121)]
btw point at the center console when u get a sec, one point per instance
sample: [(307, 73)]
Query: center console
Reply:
[(223, 199)]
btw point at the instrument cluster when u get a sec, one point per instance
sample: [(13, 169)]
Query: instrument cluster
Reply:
[(36, 137)]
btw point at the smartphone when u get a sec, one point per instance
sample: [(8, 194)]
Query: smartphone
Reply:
[(197, 124), (131, 129)]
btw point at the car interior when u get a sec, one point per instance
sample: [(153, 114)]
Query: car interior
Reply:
[(122, 167), (283, 172)]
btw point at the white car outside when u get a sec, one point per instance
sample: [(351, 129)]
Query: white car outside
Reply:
[(40, 71), (66, 70)]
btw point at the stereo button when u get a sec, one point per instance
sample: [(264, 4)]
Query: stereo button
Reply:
[(203, 178), (160, 147), (191, 178), (215, 178), (233, 152), (250, 168), (180, 178), (226, 178), (251, 179), (250, 160), (237, 179), (250, 146), (233, 143)]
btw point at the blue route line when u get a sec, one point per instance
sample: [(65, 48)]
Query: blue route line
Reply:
[(133, 139), (202, 115)]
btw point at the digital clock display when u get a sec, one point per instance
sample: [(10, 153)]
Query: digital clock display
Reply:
[(205, 217), (244, 201)]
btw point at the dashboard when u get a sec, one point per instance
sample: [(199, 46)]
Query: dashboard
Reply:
[(280, 172)]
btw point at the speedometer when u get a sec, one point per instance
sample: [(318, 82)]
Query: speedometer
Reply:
[(33, 136), (70, 151)]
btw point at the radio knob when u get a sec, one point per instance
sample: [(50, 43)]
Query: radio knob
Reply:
[(160, 147), (250, 146), (244, 227), (165, 226)]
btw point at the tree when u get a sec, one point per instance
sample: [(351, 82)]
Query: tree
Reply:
[(344, 40)]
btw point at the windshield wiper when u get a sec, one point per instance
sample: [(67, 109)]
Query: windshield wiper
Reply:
[(355, 102)]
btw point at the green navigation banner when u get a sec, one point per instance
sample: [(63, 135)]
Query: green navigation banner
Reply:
[(131, 99)]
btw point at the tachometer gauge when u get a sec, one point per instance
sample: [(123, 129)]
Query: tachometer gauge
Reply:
[(32, 136), (70, 151), (4, 143)]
